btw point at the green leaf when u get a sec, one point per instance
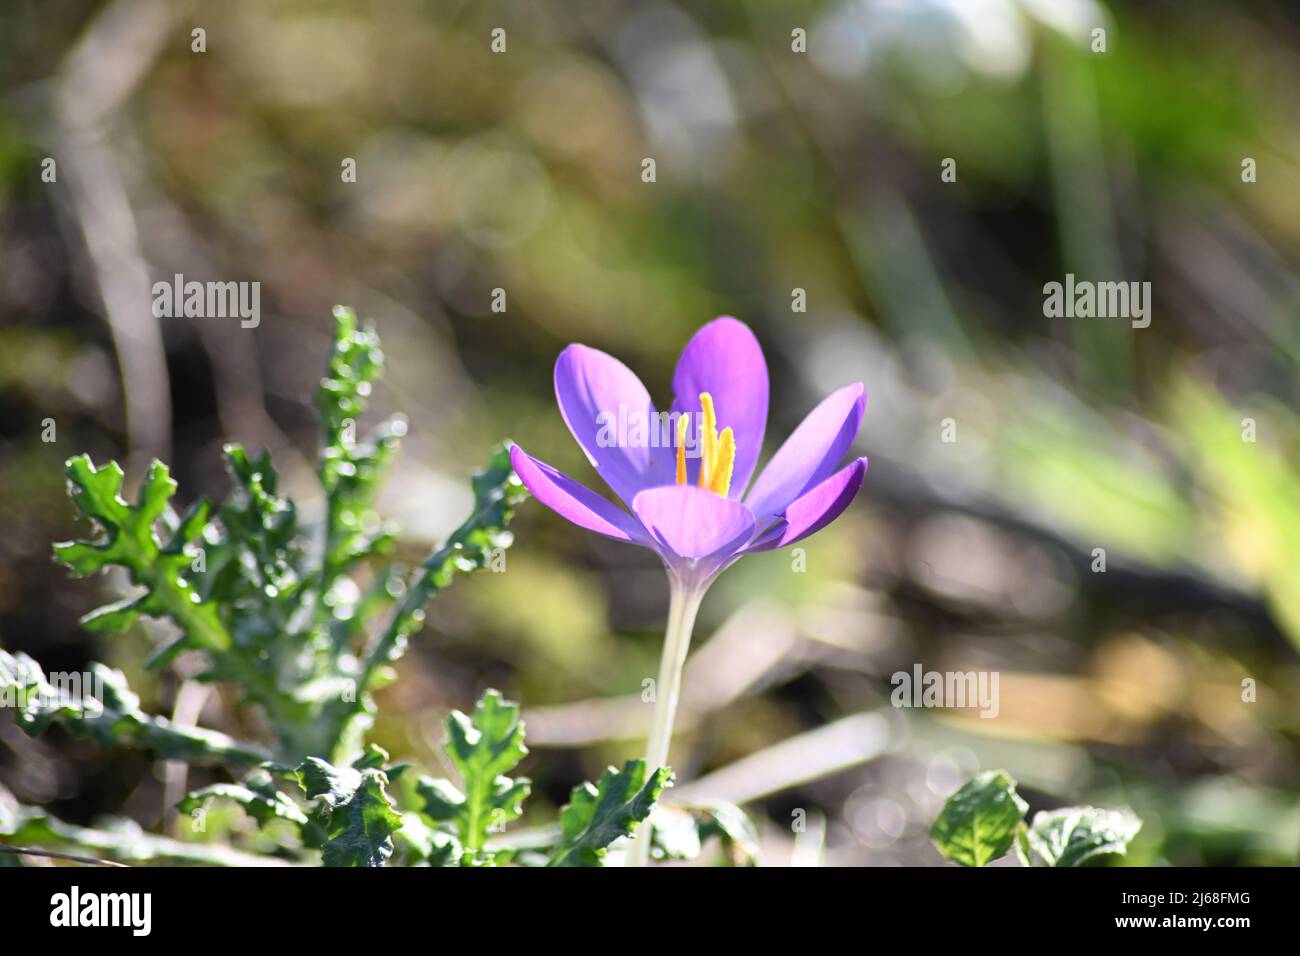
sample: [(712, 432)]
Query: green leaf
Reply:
[(484, 747), (257, 795), (254, 571), (115, 838), (598, 815), (354, 810), (361, 831), (255, 561), (978, 823), (131, 540), (1074, 835), (350, 470), (108, 713)]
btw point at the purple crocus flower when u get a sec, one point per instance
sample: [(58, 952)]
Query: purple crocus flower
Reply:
[(697, 527), (686, 485)]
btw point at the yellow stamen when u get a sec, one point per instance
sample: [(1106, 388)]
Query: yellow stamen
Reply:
[(720, 480), (717, 452), (708, 440), (683, 427)]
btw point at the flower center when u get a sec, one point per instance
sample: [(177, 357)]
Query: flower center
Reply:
[(717, 451)]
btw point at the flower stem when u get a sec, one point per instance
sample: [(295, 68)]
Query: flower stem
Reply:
[(682, 606)]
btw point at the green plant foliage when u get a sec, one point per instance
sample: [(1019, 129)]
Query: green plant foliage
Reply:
[(978, 823), (1074, 835), (984, 818), (351, 471), (108, 713), (353, 810), (467, 823), (257, 795), (268, 603), (350, 816), (115, 838), (598, 815), (483, 748), (131, 540)]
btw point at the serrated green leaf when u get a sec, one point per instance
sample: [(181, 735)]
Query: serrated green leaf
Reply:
[(131, 541), (261, 529), (484, 747), (354, 811), (598, 815), (1074, 835), (350, 470), (978, 823), (361, 830)]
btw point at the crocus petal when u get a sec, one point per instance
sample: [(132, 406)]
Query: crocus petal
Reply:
[(811, 453), (724, 359), (692, 523), (814, 510), (602, 402), (574, 501)]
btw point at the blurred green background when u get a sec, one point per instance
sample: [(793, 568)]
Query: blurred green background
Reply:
[(775, 171)]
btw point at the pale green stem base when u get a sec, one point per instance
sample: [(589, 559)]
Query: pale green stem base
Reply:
[(682, 607)]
